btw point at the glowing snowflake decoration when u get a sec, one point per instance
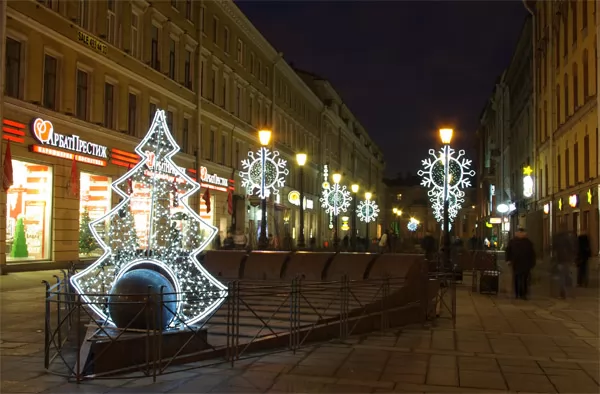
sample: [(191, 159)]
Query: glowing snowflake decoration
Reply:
[(459, 170), (335, 199), (275, 172), (412, 226), (455, 201), (367, 211)]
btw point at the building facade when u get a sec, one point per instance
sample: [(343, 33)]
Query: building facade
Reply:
[(566, 86), (92, 73)]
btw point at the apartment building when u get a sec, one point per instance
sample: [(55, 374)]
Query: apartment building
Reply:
[(566, 64), (95, 71)]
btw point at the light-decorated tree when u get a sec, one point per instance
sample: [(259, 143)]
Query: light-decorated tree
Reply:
[(87, 242), (19, 246), (152, 226)]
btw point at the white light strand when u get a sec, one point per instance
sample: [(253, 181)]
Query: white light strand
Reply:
[(367, 211), (274, 168), (171, 239)]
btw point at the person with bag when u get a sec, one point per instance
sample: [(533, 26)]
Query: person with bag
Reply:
[(520, 254)]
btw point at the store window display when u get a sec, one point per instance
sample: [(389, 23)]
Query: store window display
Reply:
[(29, 208), (94, 203)]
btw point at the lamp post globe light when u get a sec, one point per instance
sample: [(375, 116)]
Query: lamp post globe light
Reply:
[(263, 173), (301, 160), (354, 189)]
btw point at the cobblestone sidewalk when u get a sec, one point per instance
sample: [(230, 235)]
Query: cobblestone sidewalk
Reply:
[(499, 344)]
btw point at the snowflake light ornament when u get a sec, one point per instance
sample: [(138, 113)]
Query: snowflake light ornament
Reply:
[(367, 211), (274, 177), (459, 170), (455, 201), (412, 226), (335, 199)]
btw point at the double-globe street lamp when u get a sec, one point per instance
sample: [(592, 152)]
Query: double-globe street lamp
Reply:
[(354, 189), (301, 160)]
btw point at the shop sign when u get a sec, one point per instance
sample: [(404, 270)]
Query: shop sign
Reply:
[(589, 196), (163, 169), (92, 42), (43, 131), (546, 208), (294, 199), (345, 226), (560, 204), (495, 220), (212, 178), (573, 200), (527, 182)]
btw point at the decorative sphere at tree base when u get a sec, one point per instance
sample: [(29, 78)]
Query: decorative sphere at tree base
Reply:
[(136, 299)]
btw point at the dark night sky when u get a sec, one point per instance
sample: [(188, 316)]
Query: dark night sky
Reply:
[(403, 68)]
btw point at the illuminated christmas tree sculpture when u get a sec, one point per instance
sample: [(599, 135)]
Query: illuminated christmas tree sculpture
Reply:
[(153, 228)]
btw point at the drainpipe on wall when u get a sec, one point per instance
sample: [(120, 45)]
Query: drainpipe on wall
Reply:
[(3, 5)]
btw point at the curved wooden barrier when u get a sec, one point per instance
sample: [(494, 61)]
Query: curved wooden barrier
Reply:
[(307, 265), (224, 264), (265, 265), (352, 264)]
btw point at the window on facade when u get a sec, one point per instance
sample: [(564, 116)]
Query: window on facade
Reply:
[(213, 85), (132, 114), (557, 51), (565, 36), (586, 158), (94, 203), (584, 15), (202, 19), (185, 138), (558, 107), (238, 100), (566, 93), (586, 76), (188, 9), (251, 110), (215, 30), (50, 82), (151, 114), (237, 155), (546, 184), (545, 120), (154, 62), (84, 14), (170, 121), (111, 22), (559, 172), (226, 39), (81, 106), (187, 69), (202, 68), (259, 71), (240, 52), (109, 106), (225, 92), (211, 146), (576, 163), (172, 47), (575, 87), (574, 20), (223, 149), (567, 169), (252, 63), (29, 212), (267, 81), (135, 35), (13, 68)]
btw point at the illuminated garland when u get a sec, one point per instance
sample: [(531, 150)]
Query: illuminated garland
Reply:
[(335, 199), (167, 235), (367, 211), (275, 172)]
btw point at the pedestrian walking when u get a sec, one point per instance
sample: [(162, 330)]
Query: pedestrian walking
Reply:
[(564, 252), (383, 242), (584, 252), (520, 254)]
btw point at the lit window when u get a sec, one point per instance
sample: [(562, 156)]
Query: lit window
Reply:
[(399, 196), (29, 210), (94, 203)]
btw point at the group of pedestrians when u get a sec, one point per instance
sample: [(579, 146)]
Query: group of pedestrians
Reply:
[(567, 248)]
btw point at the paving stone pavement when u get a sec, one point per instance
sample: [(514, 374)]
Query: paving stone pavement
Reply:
[(499, 344)]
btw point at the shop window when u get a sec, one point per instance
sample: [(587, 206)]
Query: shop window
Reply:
[(29, 206), (94, 203)]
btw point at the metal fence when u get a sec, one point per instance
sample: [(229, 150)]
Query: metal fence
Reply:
[(256, 318)]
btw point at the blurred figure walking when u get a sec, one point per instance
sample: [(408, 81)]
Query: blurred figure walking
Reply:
[(521, 256), (584, 252), (564, 252)]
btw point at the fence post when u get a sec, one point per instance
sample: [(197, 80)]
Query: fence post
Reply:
[(229, 334), (47, 326), (58, 306), (292, 343), (79, 341), (343, 307)]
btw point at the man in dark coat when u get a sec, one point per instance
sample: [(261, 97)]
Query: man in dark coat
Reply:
[(584, 252), (521, 256)]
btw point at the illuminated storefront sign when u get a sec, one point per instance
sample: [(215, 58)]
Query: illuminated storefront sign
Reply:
[(213, 179), (546, 208), (573, 201), (495, 220), (67, 155), (345, 226), (43, 131), (527, 182), (560, 204), (294, 199), (589, 196)]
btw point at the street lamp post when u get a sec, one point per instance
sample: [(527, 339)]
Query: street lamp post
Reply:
[(301, 160), (368, 196), (264, 136), (337, 177), (446, 137), (354, 189)]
